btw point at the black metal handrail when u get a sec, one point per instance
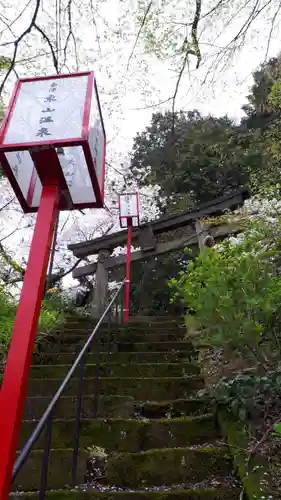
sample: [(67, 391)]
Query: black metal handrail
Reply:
[(46, 419)]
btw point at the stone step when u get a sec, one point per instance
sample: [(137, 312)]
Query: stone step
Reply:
[(137, 321), (109, 406), (127, 435), (173, 409), (130, 327), (82, 327), (59, 470), (161, 346), (219, 492), (142, 389), (80, 337), (167, 466), (116, 406), (137, 470), (116, 369), (155, 346), (58, 358)]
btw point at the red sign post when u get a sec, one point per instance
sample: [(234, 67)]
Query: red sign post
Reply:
[(129, 217), (52, 149)]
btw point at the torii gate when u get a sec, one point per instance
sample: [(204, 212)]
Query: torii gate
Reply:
[(145, 237)]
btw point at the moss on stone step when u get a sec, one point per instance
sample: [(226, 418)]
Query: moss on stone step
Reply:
[(59, 471), (155, 346), (115, 357), (121, 346), (79, 336), (173, 409), (109, 406), (206, 494), (142, 389), (123, 435), (167, 467), (117, 369)]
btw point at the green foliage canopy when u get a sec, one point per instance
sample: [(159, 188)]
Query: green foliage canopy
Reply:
[(193, 157)]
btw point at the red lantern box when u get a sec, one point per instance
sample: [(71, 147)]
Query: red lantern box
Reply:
[(54, 129)]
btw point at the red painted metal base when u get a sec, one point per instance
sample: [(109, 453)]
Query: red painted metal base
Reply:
[(14, 386), (128, 269)]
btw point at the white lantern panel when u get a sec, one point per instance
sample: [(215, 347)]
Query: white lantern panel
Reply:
[(48, 110), (129, 205), (124, 222), (96, 138), (76, 174), (37, 193), (24, 171)]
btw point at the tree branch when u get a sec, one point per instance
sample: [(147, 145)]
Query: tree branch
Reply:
[(15, 20), (7, 204), (95, 25), (14, 231), (139, 32), (271, 30), (16, 44), (193, 50), (55, 60), (70, 35), (194, 29), (60, 276)]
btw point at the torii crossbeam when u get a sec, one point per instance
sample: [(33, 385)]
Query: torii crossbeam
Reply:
[(144, 237)]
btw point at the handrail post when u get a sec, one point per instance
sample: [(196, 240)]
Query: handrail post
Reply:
[(46, 456), (122, 306), (77, 421), (97, 380), (108, 343)]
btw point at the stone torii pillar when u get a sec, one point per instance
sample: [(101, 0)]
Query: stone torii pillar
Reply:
[(101, 284), (205, 239)]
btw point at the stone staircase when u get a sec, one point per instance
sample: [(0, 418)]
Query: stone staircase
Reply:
[(152, 439)]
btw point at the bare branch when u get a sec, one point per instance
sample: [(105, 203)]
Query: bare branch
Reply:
[(7, 204), (211, 11), (193, 50), (57, 28), (15, 20), (255, 12), (18, 228), (17, 42), (139, 32), (194, 29), (95, 25), (70, 35), (60, 276), (152, 105), (271, 30), (55, 60), (65, 222), (178, 84)]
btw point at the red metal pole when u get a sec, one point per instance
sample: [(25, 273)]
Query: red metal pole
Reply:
[(128, 268), (15, 380)]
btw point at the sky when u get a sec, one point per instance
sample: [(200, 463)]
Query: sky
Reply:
[(132, 81)]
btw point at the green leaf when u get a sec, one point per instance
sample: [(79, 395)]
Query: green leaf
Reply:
[(277, 429), (5, 62)]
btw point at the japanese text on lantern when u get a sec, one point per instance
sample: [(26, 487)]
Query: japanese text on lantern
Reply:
[(47, 112)]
